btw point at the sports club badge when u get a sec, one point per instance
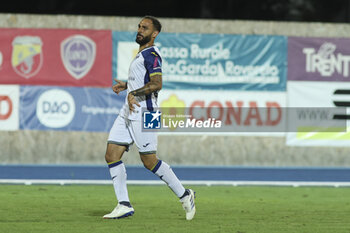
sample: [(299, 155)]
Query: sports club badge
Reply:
[(27, 57), (78, 54)]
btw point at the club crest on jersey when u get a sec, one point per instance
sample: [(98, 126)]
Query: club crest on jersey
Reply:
[(157, 64), (78, 54), (27, 57)]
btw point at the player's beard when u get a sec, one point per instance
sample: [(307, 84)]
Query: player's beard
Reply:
[(143, 40)]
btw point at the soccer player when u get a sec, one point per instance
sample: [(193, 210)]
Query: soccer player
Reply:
[(144, 82)]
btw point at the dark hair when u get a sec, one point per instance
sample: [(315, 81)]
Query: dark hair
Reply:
[(157, 25)]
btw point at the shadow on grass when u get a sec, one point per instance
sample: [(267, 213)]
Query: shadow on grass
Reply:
[(98, 213)]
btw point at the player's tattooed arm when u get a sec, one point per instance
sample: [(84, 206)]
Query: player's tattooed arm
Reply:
[(155, 84), (131, 102)]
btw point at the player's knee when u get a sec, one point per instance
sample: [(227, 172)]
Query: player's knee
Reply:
[(149, 164), (108, 157), (113, 153)]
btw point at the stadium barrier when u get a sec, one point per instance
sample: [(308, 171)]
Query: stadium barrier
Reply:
[(189, 175), (48, 147)]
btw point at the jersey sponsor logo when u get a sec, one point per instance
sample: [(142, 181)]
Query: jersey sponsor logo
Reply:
[(78, 54), (152, 120), (55, 108), (27, 56)]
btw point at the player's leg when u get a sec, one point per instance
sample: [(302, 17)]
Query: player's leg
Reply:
[(147, 146), (165, 173), (117, 170), (118, 142)]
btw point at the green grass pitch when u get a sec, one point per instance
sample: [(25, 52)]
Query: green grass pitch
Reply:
[(79, 208)]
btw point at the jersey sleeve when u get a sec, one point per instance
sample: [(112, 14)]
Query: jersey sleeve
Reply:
[(153, 64)]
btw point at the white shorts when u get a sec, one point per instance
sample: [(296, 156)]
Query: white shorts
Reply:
[(125, 132)]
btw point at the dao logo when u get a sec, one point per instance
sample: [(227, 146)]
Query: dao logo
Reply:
[(5, 107), (55, 108), (151, 120), (27, 55), (78, 54)]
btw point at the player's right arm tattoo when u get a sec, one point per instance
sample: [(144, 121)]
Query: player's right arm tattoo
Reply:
[(154, 85)]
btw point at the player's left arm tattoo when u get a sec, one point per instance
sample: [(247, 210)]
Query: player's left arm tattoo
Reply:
[(155, 84)]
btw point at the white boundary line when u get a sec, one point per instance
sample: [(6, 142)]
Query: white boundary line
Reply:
[(185, 182)]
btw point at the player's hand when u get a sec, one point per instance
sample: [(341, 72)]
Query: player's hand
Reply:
[(132, 101), (119, 86)]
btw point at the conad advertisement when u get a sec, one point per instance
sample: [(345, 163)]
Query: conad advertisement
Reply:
[(69, 108), (211, 61), (63, 57), (255, 113)]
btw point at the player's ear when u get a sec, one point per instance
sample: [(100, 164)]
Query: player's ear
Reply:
[(155, 34)]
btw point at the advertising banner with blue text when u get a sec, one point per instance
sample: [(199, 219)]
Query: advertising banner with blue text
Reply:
[(211, 61), (69, 108)]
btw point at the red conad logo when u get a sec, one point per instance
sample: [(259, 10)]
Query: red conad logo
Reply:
[(5, 99), (229, 114)]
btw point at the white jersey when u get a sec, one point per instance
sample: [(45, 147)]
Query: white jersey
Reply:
[(146, 64)]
